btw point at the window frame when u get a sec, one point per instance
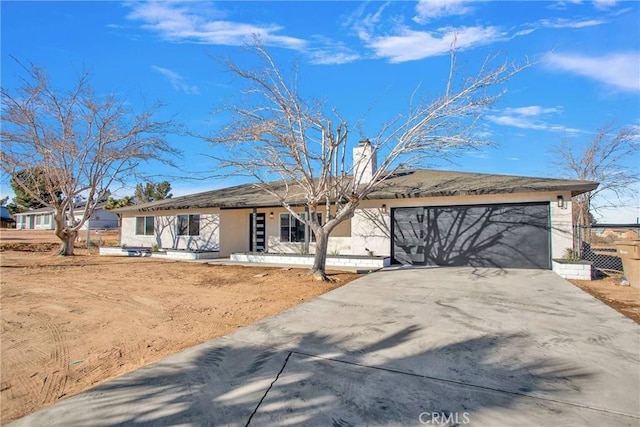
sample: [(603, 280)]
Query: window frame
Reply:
[(145, 225), (192, 220), (300, 226)]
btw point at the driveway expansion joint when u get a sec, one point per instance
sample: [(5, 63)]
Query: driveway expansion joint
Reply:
[(284, 365)]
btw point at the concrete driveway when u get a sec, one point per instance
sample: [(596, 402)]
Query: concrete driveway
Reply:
[(433, 346)]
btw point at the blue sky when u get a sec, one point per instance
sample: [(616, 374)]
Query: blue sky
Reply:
[(359, 57)]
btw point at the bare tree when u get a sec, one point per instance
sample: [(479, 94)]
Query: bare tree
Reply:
[(80, 142), (295, 148), (604, 159)]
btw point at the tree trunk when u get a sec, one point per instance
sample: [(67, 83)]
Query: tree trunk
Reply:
[(68, 238), (320, 259)]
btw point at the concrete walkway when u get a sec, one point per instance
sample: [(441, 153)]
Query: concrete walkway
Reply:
[(439, 346)]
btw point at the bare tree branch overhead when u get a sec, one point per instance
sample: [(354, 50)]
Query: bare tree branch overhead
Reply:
[(78, 142), (275, 134), (602, 160)]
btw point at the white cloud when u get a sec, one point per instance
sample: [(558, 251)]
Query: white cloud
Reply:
[(195, 22), (559, 23), (532, 110), (604, 4), (327, 57), (410, 45), (569, 23), (177, 81), (198, 22), (330, 52), (598, 4), (620, 70), (364, 25), (530, 117), (433, 9)]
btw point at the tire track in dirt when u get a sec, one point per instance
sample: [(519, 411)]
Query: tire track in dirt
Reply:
[(56, 376), (131, 302), (28, 383)]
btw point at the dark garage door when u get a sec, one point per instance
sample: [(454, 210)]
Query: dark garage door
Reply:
[(506, 235)]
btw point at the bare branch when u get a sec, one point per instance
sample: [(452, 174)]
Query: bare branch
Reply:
[(275, 135), (604, 160), (77, 142)]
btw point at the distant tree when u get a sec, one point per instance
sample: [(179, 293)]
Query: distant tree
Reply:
[(30, 187), (604, 159), (275, 134), (3, 201), (151, 191), (74, 143), (119, 203)]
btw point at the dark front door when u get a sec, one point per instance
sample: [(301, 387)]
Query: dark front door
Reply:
[(260, 233), (505, 235)]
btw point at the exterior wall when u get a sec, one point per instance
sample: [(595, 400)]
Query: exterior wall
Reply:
[(35, 221), (561, 226), (100, 220), (234, 231), (291, 259), (372, 229), (573, 270), (235, 227), (165, 233), (337, 246), (367, 233)]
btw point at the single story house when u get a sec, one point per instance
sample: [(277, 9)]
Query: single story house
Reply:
[(42, 219), (425, 217)]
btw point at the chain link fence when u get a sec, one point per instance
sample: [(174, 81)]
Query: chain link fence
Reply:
[(596, 243)]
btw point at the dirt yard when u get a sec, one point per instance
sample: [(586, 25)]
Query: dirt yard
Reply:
[(624, 299), (71, 323)]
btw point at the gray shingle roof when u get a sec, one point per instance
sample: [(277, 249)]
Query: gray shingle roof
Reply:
[(407, 184)]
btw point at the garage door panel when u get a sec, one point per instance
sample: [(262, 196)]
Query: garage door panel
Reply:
[(507, 236), (409, 235)]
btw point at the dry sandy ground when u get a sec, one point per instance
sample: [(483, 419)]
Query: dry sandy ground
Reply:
[(71, 323), (625, 299)]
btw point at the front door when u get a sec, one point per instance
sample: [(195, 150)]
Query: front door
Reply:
[(260, 233)]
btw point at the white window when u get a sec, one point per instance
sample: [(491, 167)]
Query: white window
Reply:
[(144, 225), (189, 225), (293, 230)]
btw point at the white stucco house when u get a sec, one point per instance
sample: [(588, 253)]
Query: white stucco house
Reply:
[(42, 219), (426, 217)]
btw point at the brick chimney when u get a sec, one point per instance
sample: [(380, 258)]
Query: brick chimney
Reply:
[(364, 162)]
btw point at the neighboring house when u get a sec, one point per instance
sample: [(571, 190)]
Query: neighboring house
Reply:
[(424, 217), (5, 218), (620, 233), (42, 219)]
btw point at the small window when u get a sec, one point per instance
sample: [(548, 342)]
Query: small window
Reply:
[(189, 225), (46, 219), (144, 225), (293, 230)]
